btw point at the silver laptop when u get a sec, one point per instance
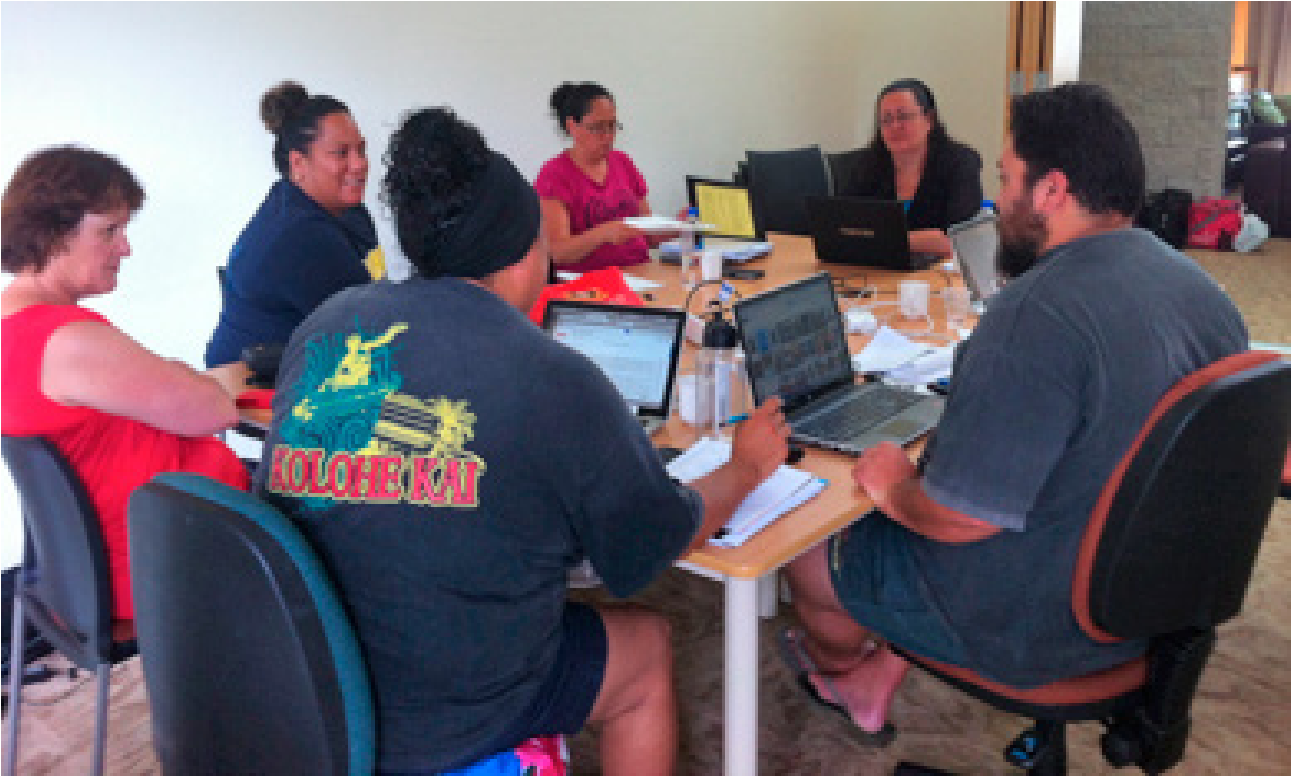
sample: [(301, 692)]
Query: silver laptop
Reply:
[(636, 347), (795, 346), (977, 247)]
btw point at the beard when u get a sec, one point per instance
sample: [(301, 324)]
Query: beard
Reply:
[(1022, 234)]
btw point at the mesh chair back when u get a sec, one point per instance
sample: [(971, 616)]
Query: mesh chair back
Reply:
[(64, 582), (250, 661), (779, 183)]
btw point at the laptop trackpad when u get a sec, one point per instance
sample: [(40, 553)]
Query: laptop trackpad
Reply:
[(898, 428)]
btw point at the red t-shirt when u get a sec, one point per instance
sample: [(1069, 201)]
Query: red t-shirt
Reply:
[(112, 454), (591, 204)]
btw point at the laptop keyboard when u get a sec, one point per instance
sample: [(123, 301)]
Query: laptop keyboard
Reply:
[(854, 416)]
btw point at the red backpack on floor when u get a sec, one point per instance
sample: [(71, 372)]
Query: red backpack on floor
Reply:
[(1213, 223)]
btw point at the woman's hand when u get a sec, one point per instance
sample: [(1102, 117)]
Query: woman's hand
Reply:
[(617, 233)]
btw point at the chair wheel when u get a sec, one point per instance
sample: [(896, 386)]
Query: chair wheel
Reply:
[(1121, 749)]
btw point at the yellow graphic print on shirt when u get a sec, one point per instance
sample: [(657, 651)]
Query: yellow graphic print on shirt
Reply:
[(353, 437)]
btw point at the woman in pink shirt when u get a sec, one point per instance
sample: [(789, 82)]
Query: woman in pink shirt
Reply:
[(591, 187)]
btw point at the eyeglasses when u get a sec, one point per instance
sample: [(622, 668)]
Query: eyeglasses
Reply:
[(603, 127), (888, 119)]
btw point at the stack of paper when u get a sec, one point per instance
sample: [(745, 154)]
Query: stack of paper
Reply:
[(734, 252), (902, 360), (785, 489)]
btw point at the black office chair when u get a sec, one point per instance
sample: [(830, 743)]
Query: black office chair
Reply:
[(1167, 556), (64, 588), (779, 183), (250, 660), (842, 168)]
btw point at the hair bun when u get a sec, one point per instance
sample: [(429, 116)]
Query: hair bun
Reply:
[(279, 104), (561, 95)]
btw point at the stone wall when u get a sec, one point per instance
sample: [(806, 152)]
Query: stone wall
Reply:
[(1166, 63)]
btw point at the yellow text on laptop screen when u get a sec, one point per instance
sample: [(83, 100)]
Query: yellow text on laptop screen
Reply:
[(727, 208)]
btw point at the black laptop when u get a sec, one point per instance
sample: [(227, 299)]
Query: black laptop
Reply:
[(862, 232), (636, 347), (795, 347)]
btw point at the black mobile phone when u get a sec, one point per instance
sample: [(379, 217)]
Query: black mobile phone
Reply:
[(740, 273)]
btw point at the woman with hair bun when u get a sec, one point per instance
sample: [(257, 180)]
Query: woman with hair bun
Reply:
[(312, 235), (589, 188)]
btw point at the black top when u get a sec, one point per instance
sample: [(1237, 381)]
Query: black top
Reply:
[(949, 192)]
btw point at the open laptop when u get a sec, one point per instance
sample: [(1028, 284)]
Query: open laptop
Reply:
[(977, 246), (725, 205), (863, 232), (795, 347), (636, 347)]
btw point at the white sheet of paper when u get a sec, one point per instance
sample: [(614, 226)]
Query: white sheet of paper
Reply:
[(887, 350)]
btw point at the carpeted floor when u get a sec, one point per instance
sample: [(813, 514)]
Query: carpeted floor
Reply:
[(1241, 715)]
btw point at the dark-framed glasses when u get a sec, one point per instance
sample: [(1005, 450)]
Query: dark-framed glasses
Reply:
[(899, 117), (603, 127)]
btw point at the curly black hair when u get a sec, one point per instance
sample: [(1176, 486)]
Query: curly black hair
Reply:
[(433, 159)]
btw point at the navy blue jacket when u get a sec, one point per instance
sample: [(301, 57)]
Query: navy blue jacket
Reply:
[(291, 256)]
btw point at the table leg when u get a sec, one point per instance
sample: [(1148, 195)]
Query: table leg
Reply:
[(740, 681), (768, 594)]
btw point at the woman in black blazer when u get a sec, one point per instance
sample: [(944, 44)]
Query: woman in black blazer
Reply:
[(913, 160)]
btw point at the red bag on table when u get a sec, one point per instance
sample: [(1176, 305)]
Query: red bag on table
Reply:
[(607, 286), (1213, 223)]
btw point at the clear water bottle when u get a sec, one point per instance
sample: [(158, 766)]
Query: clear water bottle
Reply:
[(720, 368), (691, 245)]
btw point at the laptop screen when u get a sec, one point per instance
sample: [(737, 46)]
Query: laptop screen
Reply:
[(861, 231), (977, 241), (636, 347), (725, 205), (794, 342)]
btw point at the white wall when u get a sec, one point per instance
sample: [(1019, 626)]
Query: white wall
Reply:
[(172, 89)]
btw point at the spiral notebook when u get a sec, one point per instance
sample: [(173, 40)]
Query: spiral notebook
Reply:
[(784, 490)]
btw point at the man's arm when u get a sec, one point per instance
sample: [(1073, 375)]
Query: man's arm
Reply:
[(891, 480), (759, 446)]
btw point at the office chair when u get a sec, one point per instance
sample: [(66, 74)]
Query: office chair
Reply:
[(780, 181), (842, 168), (63, 588), (249, 657), (1167, 556)]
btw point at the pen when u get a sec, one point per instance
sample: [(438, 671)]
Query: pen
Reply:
[(737, 419)]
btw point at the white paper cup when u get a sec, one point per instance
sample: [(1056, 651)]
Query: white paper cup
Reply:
[(958, 306), (694, 406), (914, 298), (710, 265)]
